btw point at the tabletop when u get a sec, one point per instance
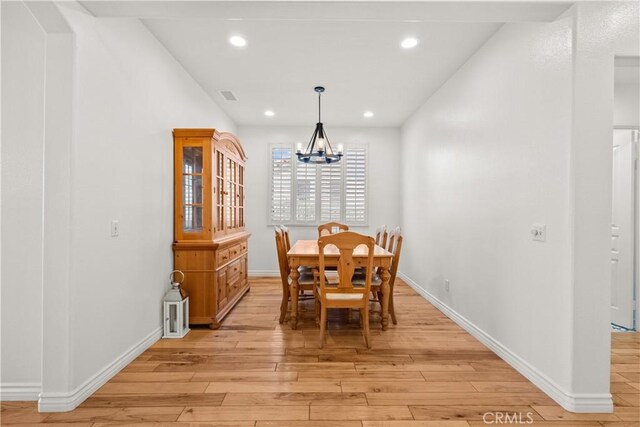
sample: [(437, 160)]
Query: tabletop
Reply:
[(310, 247)]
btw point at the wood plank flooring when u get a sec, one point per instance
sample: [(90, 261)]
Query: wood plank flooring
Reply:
[(254, 372)]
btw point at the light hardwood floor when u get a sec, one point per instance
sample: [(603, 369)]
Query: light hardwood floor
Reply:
[(425, 371)]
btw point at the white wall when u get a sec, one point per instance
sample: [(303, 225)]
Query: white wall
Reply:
[(384, 182), (128, 94), (626, 110), (602, 32), (520, 135), (23, 49), (484, 159)]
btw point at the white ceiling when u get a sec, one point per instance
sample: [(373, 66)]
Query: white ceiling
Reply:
[(350, 48), (360, 63)]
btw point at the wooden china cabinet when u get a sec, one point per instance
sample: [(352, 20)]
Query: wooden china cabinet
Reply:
[(210, 242)]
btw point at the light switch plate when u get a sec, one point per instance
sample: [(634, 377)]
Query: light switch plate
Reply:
[(539, 232), (115, 228)]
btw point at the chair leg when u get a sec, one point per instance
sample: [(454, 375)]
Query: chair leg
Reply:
[(392, 310), (365, 321), (323, 323), (284, 305), (316, 303)]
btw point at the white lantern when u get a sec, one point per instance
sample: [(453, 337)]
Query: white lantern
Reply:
[(176, 309)]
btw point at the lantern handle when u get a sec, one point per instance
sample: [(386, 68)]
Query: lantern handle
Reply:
[(172, 276)]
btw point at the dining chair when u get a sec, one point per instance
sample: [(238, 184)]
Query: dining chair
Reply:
[(306, 281), (285, 234), (381, 240), (395, 249), (341, 292), (331, 228), (381, 236), (287, 247), (394, 245)]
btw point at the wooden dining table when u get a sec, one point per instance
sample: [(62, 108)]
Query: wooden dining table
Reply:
[(306, 253)]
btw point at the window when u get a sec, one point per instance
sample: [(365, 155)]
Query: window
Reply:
[(307, 194), (281, 183)]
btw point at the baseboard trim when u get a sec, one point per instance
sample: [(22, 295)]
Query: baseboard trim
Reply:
[(263, 273), (11, 392), (569, 401), (64, 402)]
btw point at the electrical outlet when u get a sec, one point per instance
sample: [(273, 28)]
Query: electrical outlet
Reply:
[(539, 232), (115, 228), (446, 285)]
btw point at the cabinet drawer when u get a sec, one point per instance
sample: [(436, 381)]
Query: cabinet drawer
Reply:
[(233, 286), (222, 257), (237, 250), (234, 270)]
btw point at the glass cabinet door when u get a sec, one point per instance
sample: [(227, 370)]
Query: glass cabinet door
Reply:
[(208, 185), (220, 195), (240, 196), (192, 190), (230, 194)]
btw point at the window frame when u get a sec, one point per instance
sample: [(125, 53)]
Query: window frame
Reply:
[(318, 185)]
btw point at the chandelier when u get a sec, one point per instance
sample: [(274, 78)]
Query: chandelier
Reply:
[(319, 149)]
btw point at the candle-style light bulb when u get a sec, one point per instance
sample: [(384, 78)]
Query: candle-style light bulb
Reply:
[(320, 144), (340, 148), (299, 147)]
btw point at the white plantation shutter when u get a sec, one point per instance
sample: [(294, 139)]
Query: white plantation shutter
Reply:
[(281, 183), (305, 192), (355, 185), (308, 194), (330, 192)]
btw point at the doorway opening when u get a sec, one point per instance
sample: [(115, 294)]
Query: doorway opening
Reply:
[(625, 259)]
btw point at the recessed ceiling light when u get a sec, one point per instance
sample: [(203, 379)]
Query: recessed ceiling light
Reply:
[(408, 43), (368, 114), (238, 41), (269, 113)]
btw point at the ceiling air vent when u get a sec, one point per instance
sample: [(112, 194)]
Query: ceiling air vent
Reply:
[(228, 95)]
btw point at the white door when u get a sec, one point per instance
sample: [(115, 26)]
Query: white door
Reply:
[(622, 228)]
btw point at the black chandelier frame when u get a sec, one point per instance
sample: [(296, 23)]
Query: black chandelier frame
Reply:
[(319, 154)]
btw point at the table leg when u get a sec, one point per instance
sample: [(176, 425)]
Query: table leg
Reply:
[(385, 275), (294, 297)]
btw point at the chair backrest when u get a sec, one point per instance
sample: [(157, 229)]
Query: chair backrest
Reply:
[(285, 235), (395, 247), (331, 228), (346, 242), (381, 236), (283, 262)]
